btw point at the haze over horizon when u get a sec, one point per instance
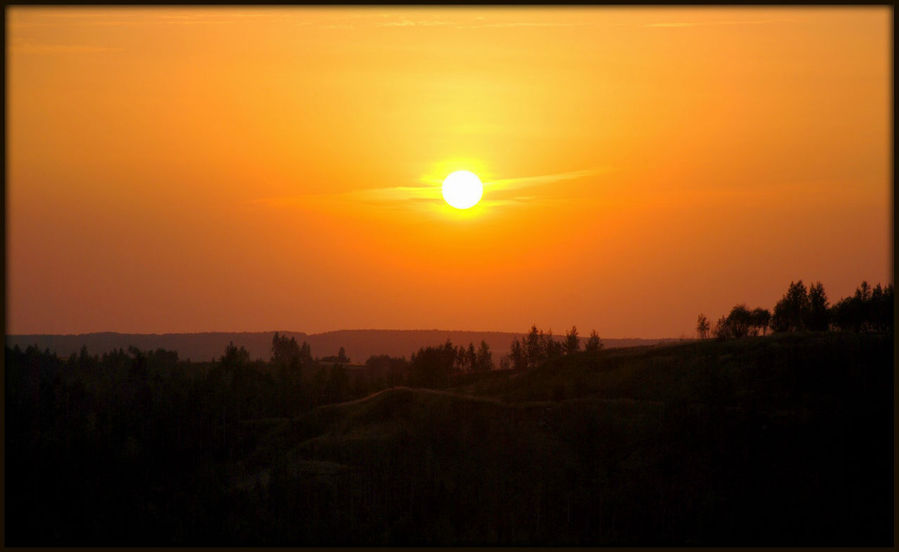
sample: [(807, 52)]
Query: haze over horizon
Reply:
[(557, 332), (184, 170)]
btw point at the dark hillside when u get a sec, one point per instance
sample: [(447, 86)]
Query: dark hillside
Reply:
[(785, 370), (776, 440), (782, 440), (416, 466)]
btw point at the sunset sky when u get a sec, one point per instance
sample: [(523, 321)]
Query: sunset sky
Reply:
[(249, 169)]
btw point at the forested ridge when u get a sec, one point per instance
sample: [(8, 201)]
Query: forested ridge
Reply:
[(780, 439)]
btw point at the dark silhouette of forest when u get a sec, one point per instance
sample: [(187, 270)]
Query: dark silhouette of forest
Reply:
[(785, 439), (801, 309), (358, 345)]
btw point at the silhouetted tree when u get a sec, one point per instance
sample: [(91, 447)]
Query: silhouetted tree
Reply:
[(863, 299), (882, 308), (818, 313), (845, 315), (138, 370), (761, 318), (84, 359), (471, 358), (866, 311), (285, 352), (538, 346), (572, 342), (433, 366), (340, 357), (722, 329), (550, 347), (791, 312), (234, 356), (739, 321), (288, 361), (593, 344), (533, 347), (702, 326), (864, 291), (305, 353), (518, 355), (484, 360)]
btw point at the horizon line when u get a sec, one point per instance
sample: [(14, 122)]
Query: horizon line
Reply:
[(314, 333)]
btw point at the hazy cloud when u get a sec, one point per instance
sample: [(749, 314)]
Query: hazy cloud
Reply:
[(478, 22), (126, 17), (671, 25), (413, 23), (511, 24), (37, 48), (527, 181), (395, 193), (430, 193), (678, 24)]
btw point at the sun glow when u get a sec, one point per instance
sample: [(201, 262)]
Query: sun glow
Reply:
[(462, 189)]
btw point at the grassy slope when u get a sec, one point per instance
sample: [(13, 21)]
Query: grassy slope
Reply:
[(780, 440)]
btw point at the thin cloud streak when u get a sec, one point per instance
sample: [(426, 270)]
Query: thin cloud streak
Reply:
[(512, 24), (119, 18), (36, 48), (434, 191), (479, 23), (429, 193), (528, 181), (396, 193), (682, 24), (411, 23)]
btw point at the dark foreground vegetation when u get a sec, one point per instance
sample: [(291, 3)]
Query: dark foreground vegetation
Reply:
[(777, 440), (782, 439)]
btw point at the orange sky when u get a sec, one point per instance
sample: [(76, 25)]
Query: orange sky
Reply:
[(218, 169)]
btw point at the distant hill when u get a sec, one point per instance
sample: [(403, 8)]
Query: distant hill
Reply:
[(359, 344)]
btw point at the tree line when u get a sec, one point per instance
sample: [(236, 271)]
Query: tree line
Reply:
[(441, 365), (538, 347), (807, 309), (138, 446)]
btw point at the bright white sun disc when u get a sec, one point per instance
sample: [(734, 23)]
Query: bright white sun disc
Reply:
[(462, 189)]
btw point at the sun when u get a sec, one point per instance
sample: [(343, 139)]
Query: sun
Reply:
[(462, 189)]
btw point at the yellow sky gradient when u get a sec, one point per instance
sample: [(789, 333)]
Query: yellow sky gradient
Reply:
[(220, 169)]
